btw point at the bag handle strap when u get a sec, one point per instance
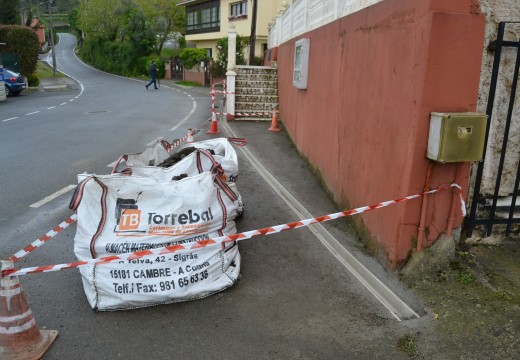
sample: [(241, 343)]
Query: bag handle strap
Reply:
[(125, 171), (166, 145), (217, 171), (237, 141), (76, 200)]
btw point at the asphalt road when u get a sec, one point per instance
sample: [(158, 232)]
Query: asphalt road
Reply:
[(293, 301)]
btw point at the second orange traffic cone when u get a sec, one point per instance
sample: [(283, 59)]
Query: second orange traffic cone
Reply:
[(213, 128), (274, 122), (19, 336)]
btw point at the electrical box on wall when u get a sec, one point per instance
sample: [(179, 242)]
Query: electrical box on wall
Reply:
[(301, 63), (456, 137)]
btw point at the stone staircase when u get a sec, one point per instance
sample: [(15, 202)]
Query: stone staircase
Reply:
[(256, 91)]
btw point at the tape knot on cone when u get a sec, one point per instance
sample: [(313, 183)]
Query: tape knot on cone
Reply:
[(189, 139)]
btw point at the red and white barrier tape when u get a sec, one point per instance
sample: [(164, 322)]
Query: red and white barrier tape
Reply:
[(43, 239), (224, 92), (265, 113), (178, 142), (223, 82), (221, 239), (63, 225)]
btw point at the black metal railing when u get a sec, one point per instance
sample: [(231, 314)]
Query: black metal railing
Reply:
[(491, 219)]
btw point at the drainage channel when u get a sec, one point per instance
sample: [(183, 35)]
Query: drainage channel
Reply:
[(393, 303)]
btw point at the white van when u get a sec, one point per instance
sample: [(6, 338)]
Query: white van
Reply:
[(3, 94)]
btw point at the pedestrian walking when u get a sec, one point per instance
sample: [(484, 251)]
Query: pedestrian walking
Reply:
[(153, 75)]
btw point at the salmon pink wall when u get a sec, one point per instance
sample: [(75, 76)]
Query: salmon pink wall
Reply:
[(374, 78)]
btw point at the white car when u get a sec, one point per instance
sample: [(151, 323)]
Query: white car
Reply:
[(3, 94)]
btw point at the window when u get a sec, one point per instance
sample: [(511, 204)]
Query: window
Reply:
[(238, 10), (203, 18)]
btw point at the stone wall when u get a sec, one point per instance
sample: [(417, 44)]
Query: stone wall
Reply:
[(496, 11)]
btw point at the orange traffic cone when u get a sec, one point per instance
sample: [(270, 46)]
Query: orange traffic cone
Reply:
[(19, 336), (274, 123), (189, 139), (213, 129)]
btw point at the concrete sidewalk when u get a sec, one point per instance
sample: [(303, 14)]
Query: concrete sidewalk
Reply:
[(453, 323), (57, 84)]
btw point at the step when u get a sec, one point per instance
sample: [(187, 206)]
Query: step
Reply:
[(256, 98), (256, 83), (257, 77), (254, 107), (256, 91), (256, 70), (503, 207), (249, 118)]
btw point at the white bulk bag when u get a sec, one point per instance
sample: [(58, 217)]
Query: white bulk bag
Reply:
[(161, 279), (199, 161), (194, 163), (151, 156), (120, 214)]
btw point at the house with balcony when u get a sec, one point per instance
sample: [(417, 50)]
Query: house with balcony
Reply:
[(207, 21)]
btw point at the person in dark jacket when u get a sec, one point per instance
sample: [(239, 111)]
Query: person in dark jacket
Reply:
[(153, 74)]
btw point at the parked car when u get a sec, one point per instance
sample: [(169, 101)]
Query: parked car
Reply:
[(14, 82), (2, 87)]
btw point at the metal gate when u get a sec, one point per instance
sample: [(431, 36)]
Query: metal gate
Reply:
[(207, 74), (177, 69), (491, 205)]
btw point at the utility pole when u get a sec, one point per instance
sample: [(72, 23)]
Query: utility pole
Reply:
[(52, 38), (252, 38)]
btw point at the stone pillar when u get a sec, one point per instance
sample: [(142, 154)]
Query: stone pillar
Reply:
[(231, 74), (168, 70)]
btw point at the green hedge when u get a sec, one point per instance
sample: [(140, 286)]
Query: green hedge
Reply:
[(23, 42), (118, 58)]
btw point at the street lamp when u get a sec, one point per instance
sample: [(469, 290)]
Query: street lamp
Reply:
[(49, 3), (52, 38)]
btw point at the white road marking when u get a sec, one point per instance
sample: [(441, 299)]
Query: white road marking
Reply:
[(194, 107), (52, 107), (52, 196), (13, 118), (63, 103), (34, 112)]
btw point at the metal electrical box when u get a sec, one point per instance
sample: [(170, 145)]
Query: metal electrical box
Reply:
[(301, 63), (456, 137)]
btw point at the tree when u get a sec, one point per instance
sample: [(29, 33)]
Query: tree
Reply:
[(166, 20), (100, 18), (252, 37), (137, 32), (22, 41), (218, 68), (9, 12)]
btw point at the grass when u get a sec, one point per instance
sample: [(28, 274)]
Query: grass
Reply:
[(407, 344), (44, 71), (187, 83), (465, 278)]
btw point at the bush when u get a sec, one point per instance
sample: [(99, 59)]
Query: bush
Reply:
[(257, 61), (218, 68), (170, 53), (160, 67), (33, 80), (23, 42), (115, 57), (192, 56)]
